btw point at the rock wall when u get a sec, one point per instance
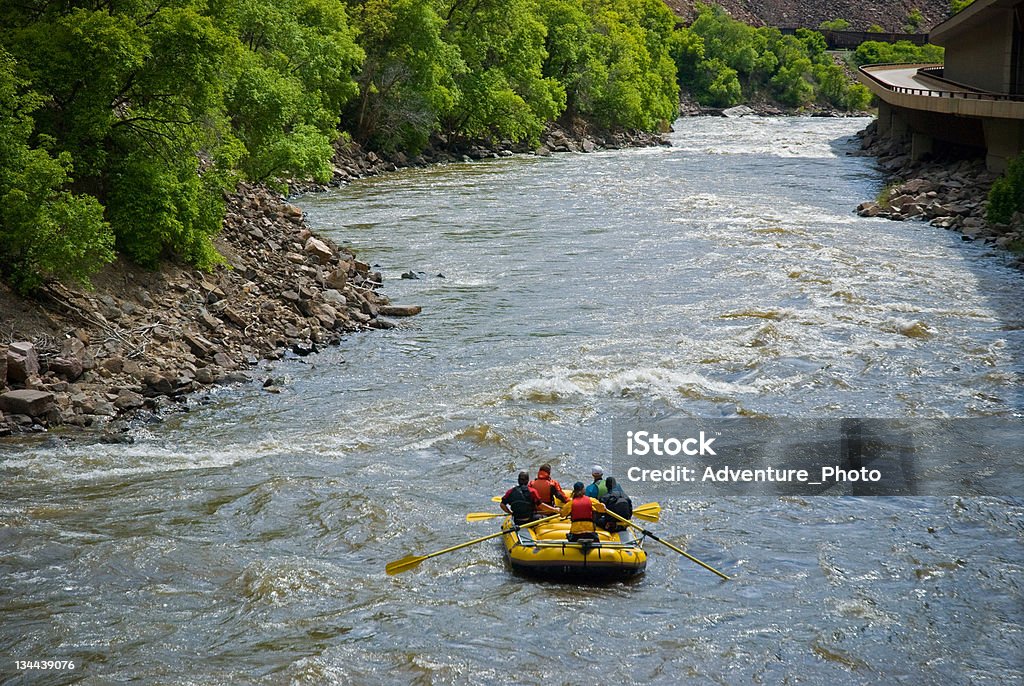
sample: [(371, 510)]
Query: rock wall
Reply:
[(791, 13)]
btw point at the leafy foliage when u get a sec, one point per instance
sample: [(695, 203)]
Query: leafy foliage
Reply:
[(876, 52), (722, 62), (958, 5), (612, 58), (124, 121), (45, 231), (1007, 193), (834, 25)]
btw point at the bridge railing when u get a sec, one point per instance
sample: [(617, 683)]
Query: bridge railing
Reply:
[(973, 94)]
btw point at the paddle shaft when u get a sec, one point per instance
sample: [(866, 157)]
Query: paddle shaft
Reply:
[(682, 552), (404, 564), (648, 512)]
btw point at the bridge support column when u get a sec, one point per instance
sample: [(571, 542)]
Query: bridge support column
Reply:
[(1003, 142), (884, 118), (899, 128), (921, 145), (892, 121)]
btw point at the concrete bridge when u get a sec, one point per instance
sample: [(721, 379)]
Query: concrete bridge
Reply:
[(974, 101)]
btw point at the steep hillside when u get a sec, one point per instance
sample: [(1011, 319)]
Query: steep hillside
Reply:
[(861, 14)]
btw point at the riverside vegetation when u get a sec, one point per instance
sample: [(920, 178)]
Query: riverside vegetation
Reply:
[(134, 131), (125, 122)]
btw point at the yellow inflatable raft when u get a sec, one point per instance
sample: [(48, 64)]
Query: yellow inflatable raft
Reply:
[(544, 551)]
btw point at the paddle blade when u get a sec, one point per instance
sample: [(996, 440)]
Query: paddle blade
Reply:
[(481, 516), (651, 512), (404, 565), (496, 499)]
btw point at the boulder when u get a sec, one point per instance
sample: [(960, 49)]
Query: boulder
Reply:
[(333, 296), (223, 360), (128, 400), (338, 279), (399, 310), (69, 368), (199, 346), (22, 362), (27, 402), (738, 111), (157, 384), (916, 186), (319, 249), (73, 347), (206, 376), (868, 209)]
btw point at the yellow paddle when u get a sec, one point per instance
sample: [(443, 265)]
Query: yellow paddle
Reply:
[(410, 561), (651, 512), (682, 552)]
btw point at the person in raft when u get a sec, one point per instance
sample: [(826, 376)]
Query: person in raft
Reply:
[(618, 502), (522, 502), (599, 488), (547, 488), (580, 509)]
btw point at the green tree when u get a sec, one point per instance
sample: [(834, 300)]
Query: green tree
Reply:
[(407, 81), (722, 61), (45, 230), (1007, 193), (877, 52), (834, 25), (291, 68), (502, 91)]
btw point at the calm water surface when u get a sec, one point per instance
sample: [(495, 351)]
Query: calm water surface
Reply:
[(245, 542)]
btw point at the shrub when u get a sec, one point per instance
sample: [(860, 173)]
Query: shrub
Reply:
[(1007, 193)]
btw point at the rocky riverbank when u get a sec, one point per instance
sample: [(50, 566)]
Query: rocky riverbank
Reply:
[(139, 343), (949, 195)]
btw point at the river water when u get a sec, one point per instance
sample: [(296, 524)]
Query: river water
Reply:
[(245, 541)]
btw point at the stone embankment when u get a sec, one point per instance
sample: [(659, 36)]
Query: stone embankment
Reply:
[(948, 195), (140, 342)]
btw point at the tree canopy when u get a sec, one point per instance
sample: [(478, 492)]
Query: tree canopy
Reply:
[(123, 122), (722, 62)]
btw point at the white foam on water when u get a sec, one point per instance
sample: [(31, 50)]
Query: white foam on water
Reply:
[(101, 461), (559, 386)]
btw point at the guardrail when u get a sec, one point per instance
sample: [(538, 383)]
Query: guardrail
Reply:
[(934, 93)]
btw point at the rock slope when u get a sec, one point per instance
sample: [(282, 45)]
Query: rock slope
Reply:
[(790, 13)]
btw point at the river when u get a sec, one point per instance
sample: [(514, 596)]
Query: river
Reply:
[(244, 542)]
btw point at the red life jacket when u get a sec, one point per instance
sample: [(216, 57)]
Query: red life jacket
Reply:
[(545, 488), (582, 509)]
